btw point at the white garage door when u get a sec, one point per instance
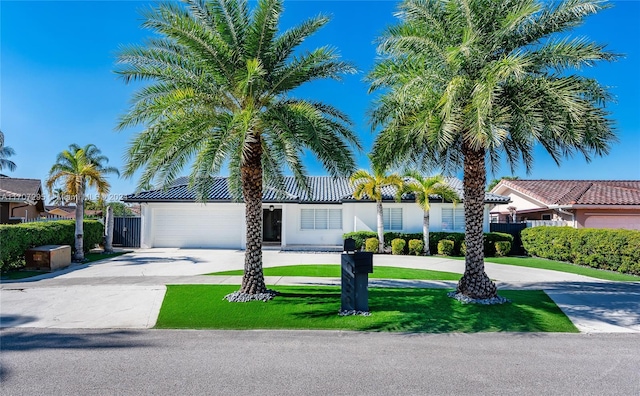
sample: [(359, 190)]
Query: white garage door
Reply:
[(198, 227), (629, 222)]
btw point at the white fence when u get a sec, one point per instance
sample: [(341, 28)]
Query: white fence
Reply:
[(548, 223), (48, 217)]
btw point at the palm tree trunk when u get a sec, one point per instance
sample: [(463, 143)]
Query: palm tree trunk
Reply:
[(251, 171), (108, 240), (474, 283), (79, 244), (425, 232), (380, 227)]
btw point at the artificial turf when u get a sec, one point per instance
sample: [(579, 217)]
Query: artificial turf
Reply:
[(392, 309), (333, 271)]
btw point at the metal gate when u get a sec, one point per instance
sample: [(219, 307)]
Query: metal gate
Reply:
[(126, 231), (514, 229)]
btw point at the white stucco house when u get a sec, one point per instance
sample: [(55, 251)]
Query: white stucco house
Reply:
[(172, 218)]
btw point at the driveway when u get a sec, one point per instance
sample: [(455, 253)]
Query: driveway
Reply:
[(127, 291)]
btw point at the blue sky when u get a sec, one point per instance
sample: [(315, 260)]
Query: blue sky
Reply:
[(57, 84)]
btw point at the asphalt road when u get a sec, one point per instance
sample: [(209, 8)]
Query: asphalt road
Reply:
[(161, 362)]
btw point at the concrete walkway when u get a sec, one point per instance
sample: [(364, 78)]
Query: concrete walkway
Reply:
[(127, 291)]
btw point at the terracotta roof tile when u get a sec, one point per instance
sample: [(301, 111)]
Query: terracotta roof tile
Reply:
[(579, 192)]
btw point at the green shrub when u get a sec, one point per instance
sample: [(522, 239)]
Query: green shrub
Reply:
[(503, 248), (359, 237), (614, 250), (490, 240), (445, 247), (371, 245), (397, 246), (416, 246), (16, 239), (463, 249)]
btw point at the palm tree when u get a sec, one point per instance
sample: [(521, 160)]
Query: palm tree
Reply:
[(78, 168), (222, 95), (370, 185), (60, 197), (422, 188), (6, 152), (470, 80)]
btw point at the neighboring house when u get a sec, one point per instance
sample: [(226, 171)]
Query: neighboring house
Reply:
[(577, 203), (69, 212), (172, 218), (20, 199)]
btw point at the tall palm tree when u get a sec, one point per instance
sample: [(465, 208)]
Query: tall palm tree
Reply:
[(78, 168), (222, 94), (6, 152), (422, 188), (370, 185), (470, 80)]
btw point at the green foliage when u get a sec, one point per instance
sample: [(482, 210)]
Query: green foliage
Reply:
[(445, 247), (434, 237), (371, 245), (359, 237), (398, 245), (121, 209), (614, 250), (416, 246), (463, 249), (502, 248), (16, 239)]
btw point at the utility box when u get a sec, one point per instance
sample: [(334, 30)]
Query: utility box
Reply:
[(48, 257), (356, 267)]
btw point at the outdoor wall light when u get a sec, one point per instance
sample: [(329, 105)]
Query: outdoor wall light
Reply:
[(271, 208)]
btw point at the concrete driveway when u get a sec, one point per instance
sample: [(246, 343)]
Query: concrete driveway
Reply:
[(127, 291)]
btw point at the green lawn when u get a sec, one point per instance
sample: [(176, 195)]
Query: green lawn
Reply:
[(396, 310), (333, 271), (532, 262)]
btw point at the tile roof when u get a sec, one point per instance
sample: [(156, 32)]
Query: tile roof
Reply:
[(20, 189), (323, 189), (578, 192)]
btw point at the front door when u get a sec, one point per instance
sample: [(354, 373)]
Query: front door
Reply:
[(272, 225)]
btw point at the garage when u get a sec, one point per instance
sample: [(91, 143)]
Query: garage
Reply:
[(198, 226), (626, 221)]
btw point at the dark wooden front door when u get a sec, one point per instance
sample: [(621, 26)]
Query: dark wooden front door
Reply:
[(272, 225)]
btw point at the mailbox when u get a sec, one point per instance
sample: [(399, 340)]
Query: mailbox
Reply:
[(356, 267)]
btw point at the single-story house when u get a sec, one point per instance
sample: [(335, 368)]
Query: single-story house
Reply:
[(69, 211), (172, 218), (577, 203), (20, 199)]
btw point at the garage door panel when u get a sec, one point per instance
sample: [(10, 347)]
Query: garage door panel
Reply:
[(198, 227), (630, 222)]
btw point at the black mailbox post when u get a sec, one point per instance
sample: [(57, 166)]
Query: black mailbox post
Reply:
[(356, 267)]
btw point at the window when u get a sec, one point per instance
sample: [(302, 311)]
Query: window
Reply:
[(321, 219), (453, 219), (546, 217), (392, 219)]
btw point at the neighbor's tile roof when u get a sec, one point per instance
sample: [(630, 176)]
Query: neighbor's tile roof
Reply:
[(323, 189), (15, 189), (579, 192)]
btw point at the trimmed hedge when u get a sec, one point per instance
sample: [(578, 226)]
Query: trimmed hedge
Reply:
[(614, 250), (16, 239), (371, 245), (416, 247), (397, 246), (502, 248), (445, 246), (490, 239)]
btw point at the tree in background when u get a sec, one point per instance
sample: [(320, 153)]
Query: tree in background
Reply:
[(369, 186), (6, 152), (422, 187), (78, 168), (464, 81), (495, 182), (223, 93)]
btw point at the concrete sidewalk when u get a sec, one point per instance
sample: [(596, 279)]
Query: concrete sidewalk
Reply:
[(127, 291)]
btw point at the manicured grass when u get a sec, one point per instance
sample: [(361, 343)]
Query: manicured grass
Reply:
[(14, 275), (396, 310), (532, 262), (333, 271)]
